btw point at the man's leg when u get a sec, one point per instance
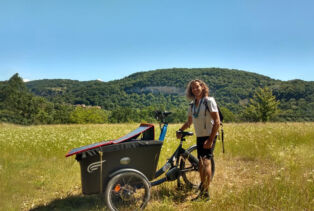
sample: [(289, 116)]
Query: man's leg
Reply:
[(205, 179), (201, 171), (207, 173), (207, 166), (200, 143)]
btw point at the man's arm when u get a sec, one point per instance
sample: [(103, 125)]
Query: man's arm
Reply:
[(209, 142), (186, 125)]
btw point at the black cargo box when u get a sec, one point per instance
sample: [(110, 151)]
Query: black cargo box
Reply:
[(140, 155), (126, 152)]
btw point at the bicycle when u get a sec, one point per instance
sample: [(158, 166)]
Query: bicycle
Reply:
[(130, 188)]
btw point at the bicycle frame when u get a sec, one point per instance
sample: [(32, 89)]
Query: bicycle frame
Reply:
[(171, 167)]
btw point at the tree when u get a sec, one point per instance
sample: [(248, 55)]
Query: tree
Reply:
[(16, 102), (228, 115), (18, 105), (262, 107)]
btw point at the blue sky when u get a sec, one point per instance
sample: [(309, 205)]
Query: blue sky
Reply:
[(111, 39)]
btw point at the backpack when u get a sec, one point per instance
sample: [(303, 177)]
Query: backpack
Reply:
[(221, 117)]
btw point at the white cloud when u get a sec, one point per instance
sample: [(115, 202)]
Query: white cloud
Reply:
[(26, 80)]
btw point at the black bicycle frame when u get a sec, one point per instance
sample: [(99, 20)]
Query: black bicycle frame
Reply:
[(173, 162)]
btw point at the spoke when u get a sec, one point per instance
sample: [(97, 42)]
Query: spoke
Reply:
[(133, 194)]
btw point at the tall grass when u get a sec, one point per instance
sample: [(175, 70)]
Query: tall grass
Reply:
[(266, 166)]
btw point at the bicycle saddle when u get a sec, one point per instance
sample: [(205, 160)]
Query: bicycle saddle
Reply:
[(185, 133)]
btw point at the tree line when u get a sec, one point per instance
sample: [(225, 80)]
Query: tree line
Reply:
[(232, 89), (20, 106)]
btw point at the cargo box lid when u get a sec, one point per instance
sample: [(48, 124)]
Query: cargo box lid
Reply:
[(146, 129)]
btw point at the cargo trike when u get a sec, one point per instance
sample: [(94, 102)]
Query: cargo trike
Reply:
[(124, 170)]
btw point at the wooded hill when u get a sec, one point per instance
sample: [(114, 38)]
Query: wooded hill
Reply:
[(165, 89)]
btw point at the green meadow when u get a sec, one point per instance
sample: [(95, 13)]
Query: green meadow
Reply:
[(265, 167)]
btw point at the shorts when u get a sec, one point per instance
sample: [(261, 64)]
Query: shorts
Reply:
[(201, 152)]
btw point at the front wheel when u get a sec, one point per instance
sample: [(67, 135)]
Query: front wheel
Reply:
[(127, 191), (189, 169)]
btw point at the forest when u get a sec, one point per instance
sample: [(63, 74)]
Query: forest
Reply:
[(135, 97)]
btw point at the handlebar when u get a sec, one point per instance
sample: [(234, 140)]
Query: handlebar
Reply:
[(161, 115)]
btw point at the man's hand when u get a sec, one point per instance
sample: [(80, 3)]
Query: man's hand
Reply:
[(179, 135), (208, 144)]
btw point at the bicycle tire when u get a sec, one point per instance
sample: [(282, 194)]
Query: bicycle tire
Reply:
[(127, 191), (190, 173)]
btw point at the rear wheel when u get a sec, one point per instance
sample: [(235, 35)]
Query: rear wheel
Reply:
[(189, 169), (127, 191)]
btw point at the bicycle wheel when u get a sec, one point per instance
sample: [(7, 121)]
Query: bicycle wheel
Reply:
[(190, 173), (189, 170), (127, 191)]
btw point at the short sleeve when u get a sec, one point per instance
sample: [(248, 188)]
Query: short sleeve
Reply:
[(212, 105)]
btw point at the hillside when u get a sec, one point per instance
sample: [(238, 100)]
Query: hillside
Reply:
[(231, 88)]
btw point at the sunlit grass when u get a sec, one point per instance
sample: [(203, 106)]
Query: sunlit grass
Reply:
[(266, 166)]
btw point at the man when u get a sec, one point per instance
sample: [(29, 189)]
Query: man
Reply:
[(204, 115)]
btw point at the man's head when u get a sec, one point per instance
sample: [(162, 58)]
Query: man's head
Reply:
[(197, 89)]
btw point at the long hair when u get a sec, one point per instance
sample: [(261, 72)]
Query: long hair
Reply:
[(189, 93)]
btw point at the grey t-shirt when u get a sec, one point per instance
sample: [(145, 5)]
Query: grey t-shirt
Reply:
[(203, 123)]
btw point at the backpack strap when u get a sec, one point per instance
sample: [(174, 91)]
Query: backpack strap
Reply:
[(219, 112), (222, 137), (191, 104), (206, 105)]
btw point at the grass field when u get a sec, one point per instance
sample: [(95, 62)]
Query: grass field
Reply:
[(265, 167)]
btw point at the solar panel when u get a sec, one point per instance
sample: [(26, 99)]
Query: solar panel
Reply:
[(132, 135)]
